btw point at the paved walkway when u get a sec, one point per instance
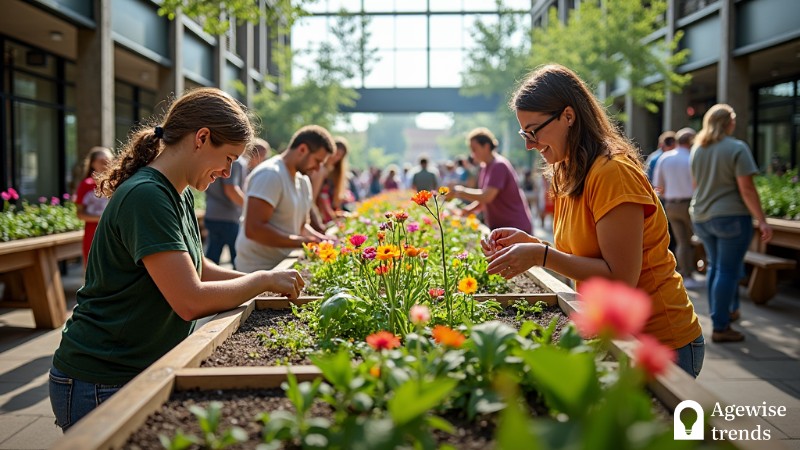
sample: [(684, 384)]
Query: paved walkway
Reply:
[(765, 367)]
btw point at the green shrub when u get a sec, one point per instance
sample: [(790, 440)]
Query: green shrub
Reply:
[(780, 195), (20, 219)]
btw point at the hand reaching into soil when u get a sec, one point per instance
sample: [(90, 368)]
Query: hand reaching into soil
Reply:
[(285, 282), (505, 237)]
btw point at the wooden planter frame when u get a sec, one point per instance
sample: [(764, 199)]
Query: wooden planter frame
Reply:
[(111, 424), (31, 268)]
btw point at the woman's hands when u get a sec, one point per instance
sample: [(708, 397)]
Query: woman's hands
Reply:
[(505, 237), (286, 282), (511, 261)]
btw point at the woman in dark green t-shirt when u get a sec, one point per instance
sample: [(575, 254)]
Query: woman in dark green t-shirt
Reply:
[(146, 279)]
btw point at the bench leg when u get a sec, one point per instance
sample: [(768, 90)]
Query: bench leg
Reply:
[(762, 285), (45, 291)]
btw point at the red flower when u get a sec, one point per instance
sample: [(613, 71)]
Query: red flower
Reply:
[(611, 309), (383, 340), (422, 197), (436, 292), (652, 356), (381, 270)]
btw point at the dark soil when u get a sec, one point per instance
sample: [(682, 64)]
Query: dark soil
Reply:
[(241, 407), (258, 341)]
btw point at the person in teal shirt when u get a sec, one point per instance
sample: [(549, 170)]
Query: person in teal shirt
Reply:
[(147, 280)]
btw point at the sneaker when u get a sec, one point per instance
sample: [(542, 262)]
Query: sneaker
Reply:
[(727, 335), (735, 315), (692, 284)]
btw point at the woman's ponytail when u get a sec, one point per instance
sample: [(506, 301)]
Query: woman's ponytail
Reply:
[(140, 150)]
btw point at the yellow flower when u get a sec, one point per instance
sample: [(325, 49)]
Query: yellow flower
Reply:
[(387, 252), (456, 262), (468, 285), (444, 190), (328, 255), (455, 223)]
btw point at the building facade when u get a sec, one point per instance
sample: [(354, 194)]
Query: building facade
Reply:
[(81, 73), (742, 52)]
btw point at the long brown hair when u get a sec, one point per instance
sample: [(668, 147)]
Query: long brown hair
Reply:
[(338, 175), (224, 116), (94, 153), (715, 124), (551, 88)]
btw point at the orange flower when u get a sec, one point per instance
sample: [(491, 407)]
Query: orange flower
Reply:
[(383, 340), (381, 236), (387, 252), (652, 356), (328, 255), (468, 285), (375, 371), (611, 309), (422, 197), (413, 251), (400, 216), (447, 336), (381, 270)]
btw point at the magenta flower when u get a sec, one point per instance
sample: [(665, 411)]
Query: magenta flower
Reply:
[(65, 196), (369, 253), (13, 193), (463, 255), (6, 196), (358, 240), (412, 227), (55, 201)]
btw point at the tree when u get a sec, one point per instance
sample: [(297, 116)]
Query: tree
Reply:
[(609, 40), (321, 95), (215, 16)]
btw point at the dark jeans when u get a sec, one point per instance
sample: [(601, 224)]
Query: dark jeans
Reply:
[(725, 240), (691, 356), (72, 399), (220, 234)]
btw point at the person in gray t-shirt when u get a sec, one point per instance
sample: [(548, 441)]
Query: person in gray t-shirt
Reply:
[(224, 200), (424, 179)]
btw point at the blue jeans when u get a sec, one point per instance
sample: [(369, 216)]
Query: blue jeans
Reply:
[(72, 399), (691, 356), (220, 234), (725, 240)]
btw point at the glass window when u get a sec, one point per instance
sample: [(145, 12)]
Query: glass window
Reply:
[(480, 5), (36, 146), (446, 67), (70, 72), (308, 32), (123, 91), (411, 68), (444, 32), (411, 5), (382, 75), (71, 148), (774, 137), (379, 6), (445, 5), (30, 60), (518, 5), (411, 32), (33, 87), (198, 56), (779, 92), (381, 30)]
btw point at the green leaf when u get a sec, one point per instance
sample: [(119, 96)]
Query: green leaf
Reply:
[(567, 380), (336, 368), (416, 397), (491, 343)]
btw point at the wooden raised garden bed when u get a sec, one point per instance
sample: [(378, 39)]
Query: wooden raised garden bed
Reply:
[(111, 425)]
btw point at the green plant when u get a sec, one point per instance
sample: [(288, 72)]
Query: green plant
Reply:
[(780, 194), (209, 420), (20, 219)]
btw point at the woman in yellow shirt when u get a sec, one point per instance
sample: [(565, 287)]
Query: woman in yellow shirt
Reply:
[(608, 221)]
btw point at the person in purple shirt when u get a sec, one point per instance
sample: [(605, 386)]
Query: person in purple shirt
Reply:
[(498, 195)]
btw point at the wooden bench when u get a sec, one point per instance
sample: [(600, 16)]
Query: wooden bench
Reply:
[(762, 284), (764, 279), (33, 279)]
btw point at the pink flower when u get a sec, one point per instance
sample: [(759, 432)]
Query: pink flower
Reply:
[(419, 314), (66, 196), (54, 201), (358, 240), (412, 227), (5, 196), (428, 221), (13, 193), (369, 253), (42, 199), (436, 292), (651, 356), (463, 255), (611, 309)]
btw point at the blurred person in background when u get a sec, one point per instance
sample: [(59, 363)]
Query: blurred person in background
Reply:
[(91, 205)]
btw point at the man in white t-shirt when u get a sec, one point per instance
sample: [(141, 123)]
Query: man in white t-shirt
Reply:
[(672, 179), (278, 202)]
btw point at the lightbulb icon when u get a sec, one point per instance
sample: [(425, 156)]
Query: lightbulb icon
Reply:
[(688, 418)]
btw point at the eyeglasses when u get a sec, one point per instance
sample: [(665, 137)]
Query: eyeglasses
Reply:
[(530, 136)]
